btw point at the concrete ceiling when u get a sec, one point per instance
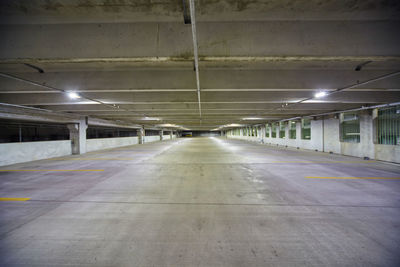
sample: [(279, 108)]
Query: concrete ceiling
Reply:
[(255, 56)]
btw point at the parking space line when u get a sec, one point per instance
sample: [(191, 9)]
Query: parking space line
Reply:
[(352, 178), (13, 199)]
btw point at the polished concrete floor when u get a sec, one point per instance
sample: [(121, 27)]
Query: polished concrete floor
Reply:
[(201, 202)]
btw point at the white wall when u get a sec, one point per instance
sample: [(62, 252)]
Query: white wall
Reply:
[(149, 139), (11, 153), (166, 137), (325, 136), (105, 143)]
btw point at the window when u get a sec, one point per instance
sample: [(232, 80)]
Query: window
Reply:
[(267, 129), (282, 129), (30, 132), (306, 129), (292, 130), (273, 132), (388, 126), (349, 128)]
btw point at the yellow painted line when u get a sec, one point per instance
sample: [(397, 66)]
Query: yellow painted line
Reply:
[(92, 159), (13, 199), (344, 178), (347, 161), (38, 170)]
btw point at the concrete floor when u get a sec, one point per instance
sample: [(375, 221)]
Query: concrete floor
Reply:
[(201, 202)]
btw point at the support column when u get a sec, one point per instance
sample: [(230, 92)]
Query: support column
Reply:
[(141, 135), (77, 135), (262, 134), (367, 134), (170, 134), (161, 135)]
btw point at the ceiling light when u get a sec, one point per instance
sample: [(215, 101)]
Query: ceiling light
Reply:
[(252, 119), (320, 94), (73, 95), (150, 119)]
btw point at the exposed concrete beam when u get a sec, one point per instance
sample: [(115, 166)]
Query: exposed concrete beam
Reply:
[(15, 112), (162, 59), (194, 90), (351, 86), (195, 50)]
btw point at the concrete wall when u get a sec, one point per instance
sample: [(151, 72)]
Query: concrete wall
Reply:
[(11, 153), (105, 143), (325, 136), (149, 139)]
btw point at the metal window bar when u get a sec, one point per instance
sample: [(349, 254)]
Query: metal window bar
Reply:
[(292, 129), (389, 126), (273, 132), (282, 129), (350, 127), (306, 129)]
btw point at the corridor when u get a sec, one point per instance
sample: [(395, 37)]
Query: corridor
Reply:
[(200, 202)]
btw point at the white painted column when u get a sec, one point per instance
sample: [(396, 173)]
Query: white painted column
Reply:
[(77, 134), (286, 140), (262, 133), (298, 134), (367, 134), (317, 134), (141, 135)]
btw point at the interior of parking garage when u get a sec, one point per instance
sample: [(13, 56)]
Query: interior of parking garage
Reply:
[(199, 133)]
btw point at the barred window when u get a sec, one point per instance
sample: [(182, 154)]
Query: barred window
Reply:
[(388, 126), (273, 132), (267, 129), (306, 129), (350, 127), (292, 130), (282, 129)]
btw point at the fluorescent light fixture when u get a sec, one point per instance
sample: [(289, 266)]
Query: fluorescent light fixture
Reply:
[(73, 95), (150, 119), (233, 125), (320, 94), (167, 125), (252, 119)]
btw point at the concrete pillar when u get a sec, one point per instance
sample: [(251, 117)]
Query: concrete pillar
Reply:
[(317, 135), (298, 134), (77, 135), (287, 131), (170, 134), (141, 135), (367, 134), (262, 133), (161, 135)]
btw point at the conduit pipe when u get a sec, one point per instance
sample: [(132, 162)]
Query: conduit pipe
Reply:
[(5, 75), (347, 87), (341, 111), (195, 51)]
